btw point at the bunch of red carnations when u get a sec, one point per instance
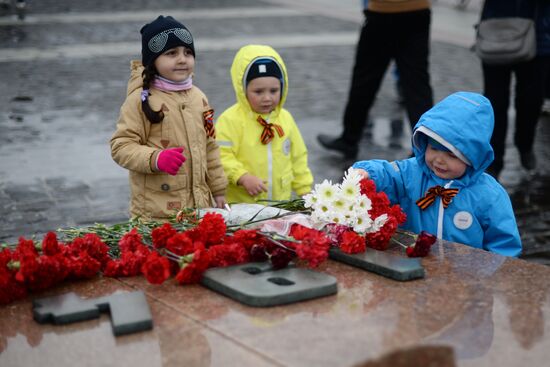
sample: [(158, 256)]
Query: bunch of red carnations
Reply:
[(168, 252)]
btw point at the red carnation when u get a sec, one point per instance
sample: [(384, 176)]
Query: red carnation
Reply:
[(246, 237), (131, 263), (10, 289), (160, 235), (156, 268), (130, 241), (24, 248), (313, 246), (280, 258), (83, 266), (50, 246), (213, 228), (352, 243), (5, 257), (94, 247), (180, 244), (368, 187), (114, 268), (397, 212), (226, 255), (421, 247), (258, 253), (44, 272), (192, 272)]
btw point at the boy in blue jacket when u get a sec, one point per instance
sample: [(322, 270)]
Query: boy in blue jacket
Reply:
[(444, 189)]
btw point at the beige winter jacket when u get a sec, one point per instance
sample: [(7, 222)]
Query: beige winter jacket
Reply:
[(136, 144)]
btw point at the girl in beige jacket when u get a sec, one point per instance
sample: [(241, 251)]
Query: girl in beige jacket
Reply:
[(165, 135)]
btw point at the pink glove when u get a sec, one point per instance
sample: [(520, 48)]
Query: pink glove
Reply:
[(170, 160)]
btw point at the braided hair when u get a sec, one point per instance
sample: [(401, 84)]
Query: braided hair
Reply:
[(149, 74)]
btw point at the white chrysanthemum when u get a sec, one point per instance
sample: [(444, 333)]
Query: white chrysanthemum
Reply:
[(352, 177), (362, 224), (310, 200), (378, 223), (337, 217), (326, 191), (364, 203), (322, 207), (350, 190), (340, 205)]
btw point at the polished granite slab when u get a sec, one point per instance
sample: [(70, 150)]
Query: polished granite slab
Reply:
[(473, 308)]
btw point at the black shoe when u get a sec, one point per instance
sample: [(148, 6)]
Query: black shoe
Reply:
[(338, 144), (528, 160)]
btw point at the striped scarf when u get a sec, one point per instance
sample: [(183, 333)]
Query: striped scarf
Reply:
[(446, 195), (267, 133)]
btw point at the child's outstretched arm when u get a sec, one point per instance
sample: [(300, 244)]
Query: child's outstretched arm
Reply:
[(362, 172), (386, 175)]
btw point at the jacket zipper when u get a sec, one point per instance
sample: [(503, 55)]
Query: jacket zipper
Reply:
[(441, 212)]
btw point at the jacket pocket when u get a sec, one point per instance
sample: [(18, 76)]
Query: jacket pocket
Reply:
[(164, 194)]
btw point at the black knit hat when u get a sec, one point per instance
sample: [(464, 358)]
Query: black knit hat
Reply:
[(264, 67), (163, 34)]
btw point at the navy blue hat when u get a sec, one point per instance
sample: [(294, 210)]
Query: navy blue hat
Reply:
[(437, 145), (163, 34), (264, 67)]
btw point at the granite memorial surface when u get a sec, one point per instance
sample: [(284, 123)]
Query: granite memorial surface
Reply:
[(471, 308)]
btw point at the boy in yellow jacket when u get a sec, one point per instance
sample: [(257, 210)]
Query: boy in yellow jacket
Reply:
[(262, 151)]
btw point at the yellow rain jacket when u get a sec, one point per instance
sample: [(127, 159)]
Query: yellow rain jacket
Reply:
[(136, 144), (282, 163)]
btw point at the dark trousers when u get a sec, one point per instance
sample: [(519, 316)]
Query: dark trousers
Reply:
[(528, 97), (403, 37)]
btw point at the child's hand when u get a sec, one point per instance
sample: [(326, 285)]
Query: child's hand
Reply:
[(220, 201), (252, 184), (362, 173), (170, 160)]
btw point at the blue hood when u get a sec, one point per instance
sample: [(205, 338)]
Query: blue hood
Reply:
[(463, 122)]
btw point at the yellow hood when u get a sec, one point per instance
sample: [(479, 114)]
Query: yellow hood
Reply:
[(243, 59)]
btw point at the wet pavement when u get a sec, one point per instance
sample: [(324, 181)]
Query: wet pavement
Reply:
[(64, 71)]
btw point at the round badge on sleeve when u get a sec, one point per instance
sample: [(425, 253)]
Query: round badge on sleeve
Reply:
[(286, 147), (463, 220)]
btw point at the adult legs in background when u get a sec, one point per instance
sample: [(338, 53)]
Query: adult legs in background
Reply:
[(412, 58), (529, 96), (404, 37), (496, 80), (371, 61)]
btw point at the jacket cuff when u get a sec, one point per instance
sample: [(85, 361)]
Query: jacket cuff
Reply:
[(153, 161), (236, 176), (218, 193), (303, 190)]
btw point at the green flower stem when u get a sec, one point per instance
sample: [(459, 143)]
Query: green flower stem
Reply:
[(398, 242), (279, 244)]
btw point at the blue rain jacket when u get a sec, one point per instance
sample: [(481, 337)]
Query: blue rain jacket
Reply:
[(481, 214)]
